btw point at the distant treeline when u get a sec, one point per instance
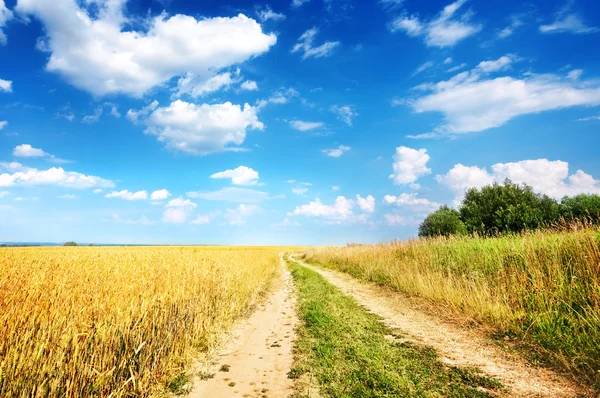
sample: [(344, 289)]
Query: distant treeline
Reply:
[(508, 208)]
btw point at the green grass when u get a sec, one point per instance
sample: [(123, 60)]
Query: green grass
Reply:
[(542, 288), (345, 348)]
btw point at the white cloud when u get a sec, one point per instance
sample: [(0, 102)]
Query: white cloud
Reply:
[(5, 16), (27, 151), (3, 123), (448, 61), (300, 191), (143, 220), (68, 196), (335, 188), (161, 194), (544, 176), (301, 125), (345, 113), (457, 67), (336, 152), (587, 119), (305, 45), (93, 118), (501, 63), (239, 215), (423, 67), (366, 204), (575, 74), (394, 219), (410, 199), (98, 190), (341, 210), (280, 97), (249, 85), (53, 176), (100, 53), (201, 219), (298, 3), (267, 14), (5, 85), (443, 31), (4, 193), (198, 86), (232, 194), (516, 21), (471, 103), (240, 176), (125, 194), (567, 21), (199, 129), (409, 165), (178, 210)]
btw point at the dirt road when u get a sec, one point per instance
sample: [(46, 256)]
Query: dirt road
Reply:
[(258, 357), (455, 346)]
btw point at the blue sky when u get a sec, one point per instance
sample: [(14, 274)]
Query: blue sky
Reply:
[(302, 122)]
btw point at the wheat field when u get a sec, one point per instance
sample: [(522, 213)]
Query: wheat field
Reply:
[(118, 321)]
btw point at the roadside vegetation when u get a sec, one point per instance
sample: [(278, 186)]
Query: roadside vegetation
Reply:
[(352, 354), (541, 287), (119, 321)]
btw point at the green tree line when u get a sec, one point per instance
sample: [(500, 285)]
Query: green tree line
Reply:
[(508, 208)]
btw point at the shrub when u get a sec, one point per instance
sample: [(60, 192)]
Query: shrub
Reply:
[(444, 221)]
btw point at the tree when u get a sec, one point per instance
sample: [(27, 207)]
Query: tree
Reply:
[(444, 221), (506, 207), (70, 244), (581, 206)]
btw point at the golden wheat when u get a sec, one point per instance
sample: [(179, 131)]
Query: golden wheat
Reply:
[(117, 321)]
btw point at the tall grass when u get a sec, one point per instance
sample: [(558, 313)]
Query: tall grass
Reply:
[(117, 321), (543, 287)]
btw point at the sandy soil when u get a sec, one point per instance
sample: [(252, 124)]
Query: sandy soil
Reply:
[(259, 353), (455, 346)]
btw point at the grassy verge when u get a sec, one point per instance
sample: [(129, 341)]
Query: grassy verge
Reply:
[(352, 354), (540, 288)]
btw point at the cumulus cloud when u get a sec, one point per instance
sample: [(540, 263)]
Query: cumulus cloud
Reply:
[(410, 199), (5, 85), (198, 129), (336, 152), (249, 85), (27, 151), (197, 85), (344, 113), (178, 210), (340, 211), (444, 31), (302, 125), (98, 52), (233, 195), (240, 214), (125, 194), (472, 102), (305, 45), (17, 174), (366, 204), (409, 165), (161, 194), (567, 21), (240, 176), (5, 16), (544, 176), (300, 191)]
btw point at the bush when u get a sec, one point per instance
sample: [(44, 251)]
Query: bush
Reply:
[(580, 207), (444, 221), (70, 244), (508, 207)]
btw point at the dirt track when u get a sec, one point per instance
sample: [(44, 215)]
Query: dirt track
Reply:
[(259, 353), (455, 346)]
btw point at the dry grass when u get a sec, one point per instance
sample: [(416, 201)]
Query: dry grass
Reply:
[(117, 321), (542, 287)]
